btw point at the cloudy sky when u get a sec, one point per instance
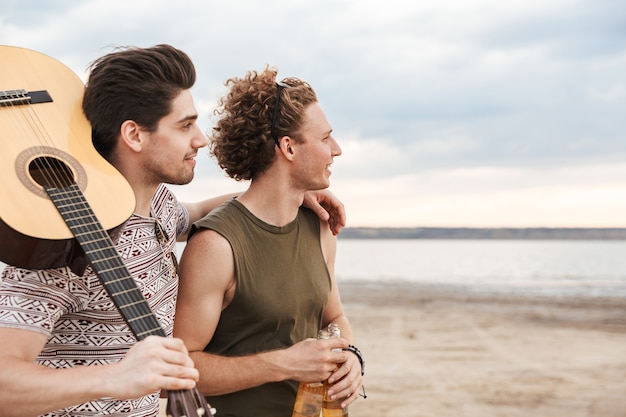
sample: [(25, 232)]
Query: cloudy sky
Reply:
[(449, 112)]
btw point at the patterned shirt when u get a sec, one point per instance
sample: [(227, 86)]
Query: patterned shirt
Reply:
[(81, 322)]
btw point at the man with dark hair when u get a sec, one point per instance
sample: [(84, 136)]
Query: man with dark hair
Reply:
[(63, 344), (257, 274)]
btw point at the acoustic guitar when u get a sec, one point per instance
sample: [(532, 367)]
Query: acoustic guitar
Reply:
[(60, 198)]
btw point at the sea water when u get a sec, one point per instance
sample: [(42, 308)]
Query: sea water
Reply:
[(551, 267)]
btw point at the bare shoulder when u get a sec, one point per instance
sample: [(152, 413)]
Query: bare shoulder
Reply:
[(206, 262), (207, 241)]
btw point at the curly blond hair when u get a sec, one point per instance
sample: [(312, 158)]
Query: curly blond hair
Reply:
[(242, 141)]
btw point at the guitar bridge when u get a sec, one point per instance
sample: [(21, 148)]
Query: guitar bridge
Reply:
[(21, 97)]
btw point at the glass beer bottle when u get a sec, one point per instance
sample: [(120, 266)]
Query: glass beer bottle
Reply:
[(310, 394), (332, 408)]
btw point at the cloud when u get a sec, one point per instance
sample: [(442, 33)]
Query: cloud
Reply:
[(489, 197), (417, 92)]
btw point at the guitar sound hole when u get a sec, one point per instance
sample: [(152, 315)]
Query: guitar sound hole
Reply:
[(50, 172)]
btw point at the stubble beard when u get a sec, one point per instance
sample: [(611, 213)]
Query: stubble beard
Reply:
[(182, 177)]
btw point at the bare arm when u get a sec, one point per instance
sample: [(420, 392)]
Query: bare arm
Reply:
[(333, 313), (206, 287), (31, 389), (347, 378)]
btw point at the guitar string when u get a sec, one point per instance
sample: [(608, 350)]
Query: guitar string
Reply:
[(33, 127), (123, 286), (60, 178), (52, 176)]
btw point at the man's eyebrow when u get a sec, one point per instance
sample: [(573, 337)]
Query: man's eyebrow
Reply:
[(187, 118)]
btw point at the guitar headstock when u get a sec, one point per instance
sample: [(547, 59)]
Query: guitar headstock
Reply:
[(188, 403)]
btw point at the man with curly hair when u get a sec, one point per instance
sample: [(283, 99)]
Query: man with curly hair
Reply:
[(257, 274)]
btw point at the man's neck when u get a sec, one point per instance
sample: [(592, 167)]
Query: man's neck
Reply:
[(274, 204), (143, 196), (143, 192)]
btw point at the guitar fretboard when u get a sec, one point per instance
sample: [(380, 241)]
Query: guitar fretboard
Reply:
[(105, 260)]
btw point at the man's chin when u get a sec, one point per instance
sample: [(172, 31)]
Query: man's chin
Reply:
[(181, 180)]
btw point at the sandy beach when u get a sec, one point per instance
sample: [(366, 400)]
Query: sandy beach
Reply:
[(438, 353), (432, 352)]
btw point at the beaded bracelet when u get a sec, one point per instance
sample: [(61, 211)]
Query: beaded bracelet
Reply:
[(359, 355)]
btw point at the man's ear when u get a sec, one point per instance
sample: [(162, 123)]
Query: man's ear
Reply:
[(131, 135), (286, 147)]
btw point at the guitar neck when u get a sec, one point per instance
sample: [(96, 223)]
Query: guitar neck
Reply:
[(119, 284), (105, 260)]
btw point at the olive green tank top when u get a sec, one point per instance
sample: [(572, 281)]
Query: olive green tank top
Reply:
[(282, 287)]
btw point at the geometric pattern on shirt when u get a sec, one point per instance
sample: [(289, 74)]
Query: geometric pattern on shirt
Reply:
[(82, 324)]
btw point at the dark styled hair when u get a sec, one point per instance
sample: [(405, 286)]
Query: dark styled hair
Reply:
[(136, 84), (242, 141)]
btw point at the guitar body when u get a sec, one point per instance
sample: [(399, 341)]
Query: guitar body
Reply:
[(48, 134)]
